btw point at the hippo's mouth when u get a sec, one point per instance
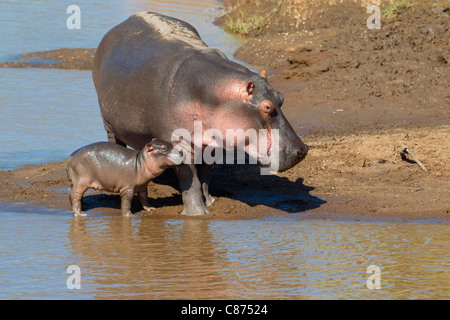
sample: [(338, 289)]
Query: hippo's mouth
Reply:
[(177, 156), (269, 142), (265, 154)]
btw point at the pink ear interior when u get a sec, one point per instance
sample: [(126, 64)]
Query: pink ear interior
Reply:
[(264, 74), (250, 87)]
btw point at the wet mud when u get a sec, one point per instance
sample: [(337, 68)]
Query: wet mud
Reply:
[(338, 75), (80, 59)]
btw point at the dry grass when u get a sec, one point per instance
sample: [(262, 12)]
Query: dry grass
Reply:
[(245, 16), (248, 16)]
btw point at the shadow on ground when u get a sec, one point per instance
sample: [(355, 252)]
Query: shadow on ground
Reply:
[(245, 183), (242, 183)]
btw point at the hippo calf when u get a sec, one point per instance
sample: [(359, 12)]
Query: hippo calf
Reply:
[(113, 168), (154, 75)]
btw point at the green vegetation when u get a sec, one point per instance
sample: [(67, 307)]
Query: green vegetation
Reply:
[(243, 25), (391, 10), (243, 18)]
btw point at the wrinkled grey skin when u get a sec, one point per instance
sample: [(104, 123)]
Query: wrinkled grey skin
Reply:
[(153, 74), (109, 167)]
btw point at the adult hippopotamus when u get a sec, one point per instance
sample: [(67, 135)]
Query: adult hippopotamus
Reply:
[(154, 74)]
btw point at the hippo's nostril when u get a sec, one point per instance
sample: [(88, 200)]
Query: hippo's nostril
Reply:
[(303, 151)]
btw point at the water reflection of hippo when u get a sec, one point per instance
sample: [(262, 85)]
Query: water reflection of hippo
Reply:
[(153, 75)]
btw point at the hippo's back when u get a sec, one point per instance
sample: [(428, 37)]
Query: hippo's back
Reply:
[(147, 32), (171, 29), (134, 70)]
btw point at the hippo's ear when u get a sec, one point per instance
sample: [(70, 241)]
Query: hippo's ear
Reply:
[(250, 87), (264, 74), (234, 89)]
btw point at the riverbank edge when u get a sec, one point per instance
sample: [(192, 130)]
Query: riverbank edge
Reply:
[(359, 177)]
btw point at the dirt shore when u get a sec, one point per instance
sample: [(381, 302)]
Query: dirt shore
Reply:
[(358, 97), (80, 59), (339, 76), (360, 176)]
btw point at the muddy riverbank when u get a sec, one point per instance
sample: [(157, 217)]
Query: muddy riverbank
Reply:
[(80, 59), (358, 97), (360, 176), (338, 75)]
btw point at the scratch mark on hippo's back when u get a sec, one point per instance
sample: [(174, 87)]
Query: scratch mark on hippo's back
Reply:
[(171, 28)]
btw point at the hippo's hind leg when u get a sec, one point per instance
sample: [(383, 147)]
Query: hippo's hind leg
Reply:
[(143, 197), (111, 135), (76, 195), (204, 174), (191, 190)]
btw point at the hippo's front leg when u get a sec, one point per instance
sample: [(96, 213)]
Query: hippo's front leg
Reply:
[(143, 197), (191, 190), (126, 199)]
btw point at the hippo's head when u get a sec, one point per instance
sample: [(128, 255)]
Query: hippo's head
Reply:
[(254, 106), (164, 153)]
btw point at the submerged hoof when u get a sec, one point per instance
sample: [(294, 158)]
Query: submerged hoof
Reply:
[(200, 212), (79, 214)]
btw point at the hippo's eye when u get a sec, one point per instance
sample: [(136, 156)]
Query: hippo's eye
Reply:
[(266, 107), (163, 148)]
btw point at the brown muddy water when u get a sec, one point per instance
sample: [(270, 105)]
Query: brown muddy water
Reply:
[(289, 258), (46, 114)]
